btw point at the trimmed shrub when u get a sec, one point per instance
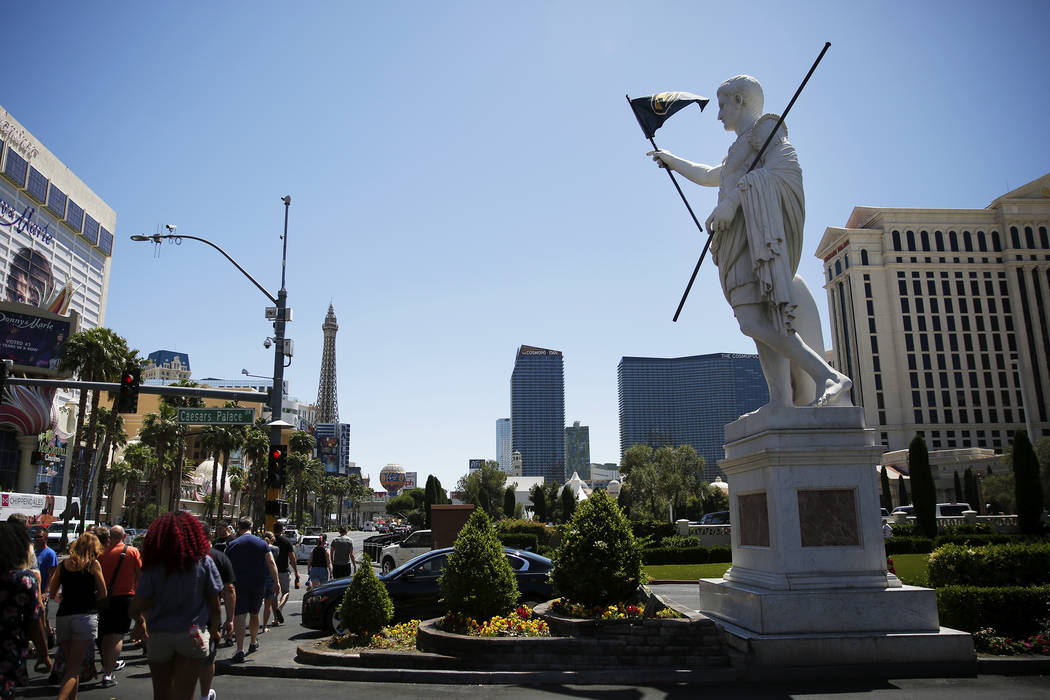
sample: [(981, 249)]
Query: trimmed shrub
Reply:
[(978, 540), (675, 555), (968, 529), (1011, 611), (542, 532), (598, 561), (909, 545), (655, 530), (719, 554), (680, 541), (366, 606), (993, 565), (519, 540), (477, 580)]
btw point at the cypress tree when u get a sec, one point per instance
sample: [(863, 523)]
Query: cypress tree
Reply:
[(887, 497), (508, 502), (429, 499), (923, 492), (970, 489), (568, 503), (902, 492), (1027, 487), (539, 503), (958, 489)]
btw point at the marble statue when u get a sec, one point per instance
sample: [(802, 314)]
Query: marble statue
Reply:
[(757, 244)]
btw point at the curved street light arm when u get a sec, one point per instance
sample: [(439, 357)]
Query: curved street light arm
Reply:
[(156, 238)]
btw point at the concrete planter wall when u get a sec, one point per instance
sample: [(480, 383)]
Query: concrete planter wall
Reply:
[(690, 642)]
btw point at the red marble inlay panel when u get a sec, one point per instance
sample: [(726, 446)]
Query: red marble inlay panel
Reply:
[(754, 519), (828, 518)]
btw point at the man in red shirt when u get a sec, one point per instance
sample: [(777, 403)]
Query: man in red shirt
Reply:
[(121, 568)]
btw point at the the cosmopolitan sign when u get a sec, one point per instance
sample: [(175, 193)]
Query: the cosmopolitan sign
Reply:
[(34, 339)]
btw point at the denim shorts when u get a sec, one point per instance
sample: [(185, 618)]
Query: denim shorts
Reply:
[(69, 627), (319, 574)]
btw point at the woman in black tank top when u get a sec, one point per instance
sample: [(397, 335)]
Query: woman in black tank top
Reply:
[(76, 624), (320, 562)]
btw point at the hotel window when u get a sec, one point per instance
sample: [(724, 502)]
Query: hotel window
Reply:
[(1015, 237), (56, 202), (939, 241), (15, 168), (37, 185), (925, 238), (74, 216), (911, 241), (863, 256), (897, 241), (1028, 237), (953, 242), (981, 245)]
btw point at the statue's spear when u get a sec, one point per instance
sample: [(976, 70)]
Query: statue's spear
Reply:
[(754, 163)]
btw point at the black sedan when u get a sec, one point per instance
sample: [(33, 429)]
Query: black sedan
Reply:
[(413, 587)]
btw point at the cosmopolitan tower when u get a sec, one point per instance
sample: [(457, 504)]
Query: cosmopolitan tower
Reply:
[(537, 412)]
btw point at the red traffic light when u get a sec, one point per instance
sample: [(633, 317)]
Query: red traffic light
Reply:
[(128, 378), (276, 454)]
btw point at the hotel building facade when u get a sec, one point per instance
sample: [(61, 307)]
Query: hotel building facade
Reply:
[(942, 318), (56, 247)]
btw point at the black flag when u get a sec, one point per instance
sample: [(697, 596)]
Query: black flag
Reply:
[(652, 111)]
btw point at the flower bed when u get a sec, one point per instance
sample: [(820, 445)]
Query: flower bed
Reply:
[(519, 623)]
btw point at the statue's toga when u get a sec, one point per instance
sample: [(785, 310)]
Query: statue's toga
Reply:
[(756, 232)]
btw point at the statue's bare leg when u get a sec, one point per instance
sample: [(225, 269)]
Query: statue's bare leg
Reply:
[(831, 385)]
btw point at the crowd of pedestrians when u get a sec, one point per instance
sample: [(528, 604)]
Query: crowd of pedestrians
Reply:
[(180, 598)]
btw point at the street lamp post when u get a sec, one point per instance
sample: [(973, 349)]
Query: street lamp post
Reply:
[(277, 395)]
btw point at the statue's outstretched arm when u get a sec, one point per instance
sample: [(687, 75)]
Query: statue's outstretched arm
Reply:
[(704, 175)]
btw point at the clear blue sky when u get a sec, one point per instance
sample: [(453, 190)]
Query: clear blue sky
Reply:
[(466, 177)]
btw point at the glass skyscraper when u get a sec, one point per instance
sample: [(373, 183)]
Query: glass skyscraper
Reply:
[(687, 401), (503, 449), (577, 451), (537, 412)]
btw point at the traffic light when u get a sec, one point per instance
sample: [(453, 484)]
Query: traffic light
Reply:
[(276, 476), (128, 398)]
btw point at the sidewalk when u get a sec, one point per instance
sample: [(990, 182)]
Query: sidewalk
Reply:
[(287, 652)]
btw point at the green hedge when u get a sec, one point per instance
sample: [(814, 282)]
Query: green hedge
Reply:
[(525, 527), (908, 545), (655, 530), (675, 555), (719, 554), (992, 565), (1011, 611), (519, 540), (978, 539), (687, 555)]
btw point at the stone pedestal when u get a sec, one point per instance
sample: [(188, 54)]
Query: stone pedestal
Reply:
[(809, 584)]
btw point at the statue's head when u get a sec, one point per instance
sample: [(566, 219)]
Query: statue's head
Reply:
[(741, 94)]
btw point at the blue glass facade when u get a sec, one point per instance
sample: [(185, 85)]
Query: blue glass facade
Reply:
[(537, 412), (687, 401), (577, 451)]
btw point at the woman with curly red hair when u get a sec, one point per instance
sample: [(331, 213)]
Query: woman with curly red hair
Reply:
[(76, 623), (179, 595)]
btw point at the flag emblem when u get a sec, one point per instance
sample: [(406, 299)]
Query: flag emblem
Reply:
[(652, 111)]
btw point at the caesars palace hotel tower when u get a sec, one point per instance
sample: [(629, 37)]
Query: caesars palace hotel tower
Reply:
[(942, 318)]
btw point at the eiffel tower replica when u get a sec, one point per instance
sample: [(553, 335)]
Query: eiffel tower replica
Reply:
[(327, 400)]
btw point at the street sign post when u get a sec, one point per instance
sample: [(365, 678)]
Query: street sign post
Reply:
[(216, 416)]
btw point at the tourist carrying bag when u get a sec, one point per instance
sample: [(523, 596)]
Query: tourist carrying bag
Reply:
[(103, 605)]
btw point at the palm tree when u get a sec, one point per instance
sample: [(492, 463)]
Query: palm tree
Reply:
[(178, 402), (256, 446), (161, 431), (125, 473), (300, 447), (113, 437), (95, 355), (236, 486), (231, 439), (211, 440), (142, 460)]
